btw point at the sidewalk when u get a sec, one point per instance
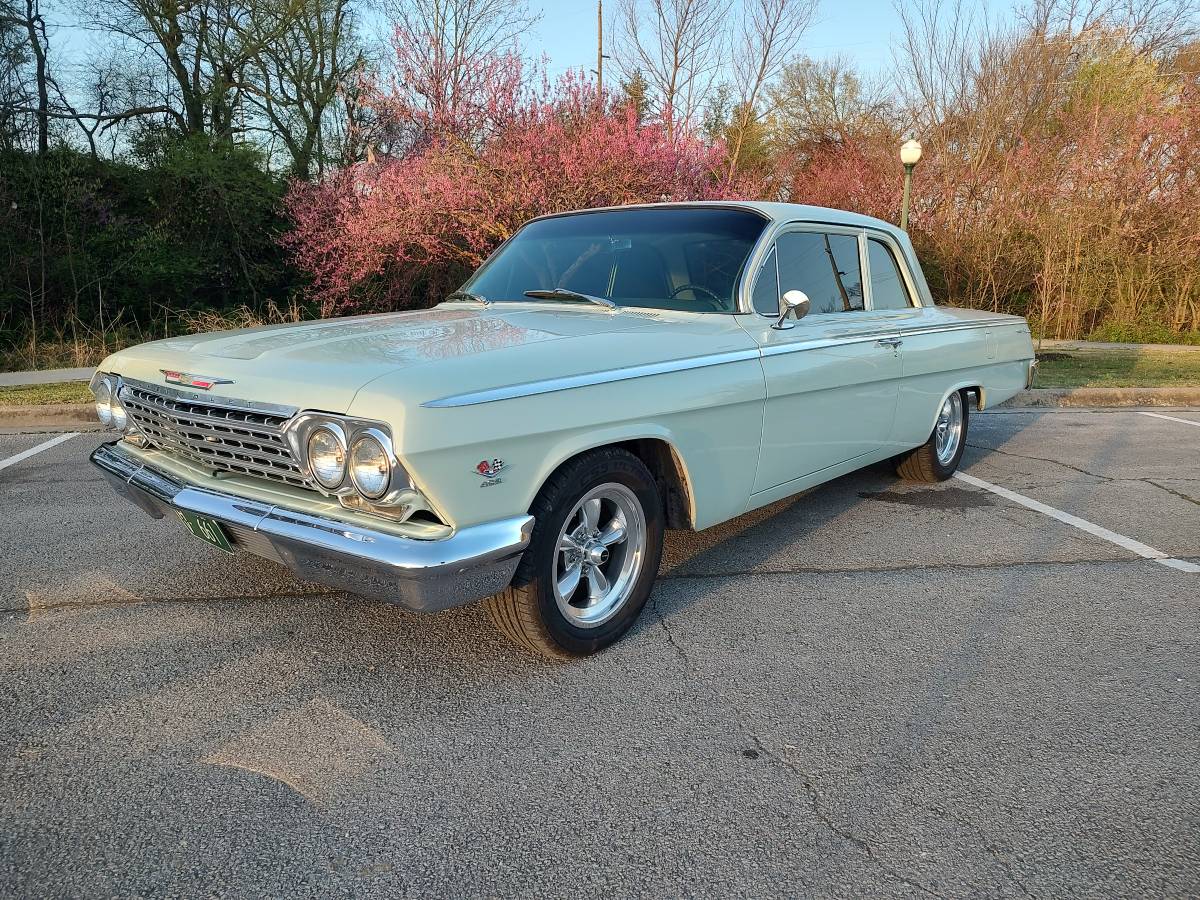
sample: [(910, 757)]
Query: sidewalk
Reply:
[(44, 376)]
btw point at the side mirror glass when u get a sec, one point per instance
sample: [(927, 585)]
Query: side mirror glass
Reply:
[(795, 304)]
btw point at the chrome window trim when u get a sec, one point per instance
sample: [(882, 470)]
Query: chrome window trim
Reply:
[(767, 242), (901, 260), (746, 295), (590, 379)]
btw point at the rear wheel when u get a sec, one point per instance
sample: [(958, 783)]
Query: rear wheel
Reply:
[(592, 558), (938, 457)]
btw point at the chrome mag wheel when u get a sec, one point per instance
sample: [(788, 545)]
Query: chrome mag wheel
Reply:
[(947, 433), (599, 555)]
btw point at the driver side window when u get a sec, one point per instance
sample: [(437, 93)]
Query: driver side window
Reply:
[(825, 265)]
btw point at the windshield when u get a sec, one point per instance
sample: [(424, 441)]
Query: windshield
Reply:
[(685, 258)]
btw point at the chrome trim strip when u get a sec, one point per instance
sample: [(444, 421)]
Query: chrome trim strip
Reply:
[(550, 385), (959, 326), (254, 406), (423, 575), (826, 343)]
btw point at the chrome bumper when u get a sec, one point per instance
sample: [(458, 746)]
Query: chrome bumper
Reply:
[(473, 563)]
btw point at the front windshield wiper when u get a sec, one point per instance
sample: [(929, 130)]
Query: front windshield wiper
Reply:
[(564, 294), (467, 295)]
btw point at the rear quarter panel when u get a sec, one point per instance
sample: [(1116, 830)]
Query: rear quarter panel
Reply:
[(948, 349)]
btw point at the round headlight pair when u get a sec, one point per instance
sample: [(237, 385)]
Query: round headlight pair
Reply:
[(109, 410), (369, 465)]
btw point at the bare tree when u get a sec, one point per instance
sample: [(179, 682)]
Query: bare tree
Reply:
[(189, 58), (677, 46), (767, 39), (26, 40), (295, 79)]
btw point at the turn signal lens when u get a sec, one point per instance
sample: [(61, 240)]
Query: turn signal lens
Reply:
[(103, 392), (326, 458), (370, 468)]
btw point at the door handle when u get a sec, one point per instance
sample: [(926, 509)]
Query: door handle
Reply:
[(890, 342)]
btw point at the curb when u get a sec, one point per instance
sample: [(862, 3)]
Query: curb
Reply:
[(1084, 397), (49, 415)]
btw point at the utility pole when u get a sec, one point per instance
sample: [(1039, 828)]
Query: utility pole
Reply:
[(600, 50)]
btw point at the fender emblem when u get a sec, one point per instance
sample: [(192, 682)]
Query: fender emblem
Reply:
[(204, 382), (491, 469)]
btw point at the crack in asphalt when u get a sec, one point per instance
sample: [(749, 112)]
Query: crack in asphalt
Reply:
[(985, 841), (662, 621), (1054, 462), (897, 570), (672, 576), (814, 799), (1163, 487)]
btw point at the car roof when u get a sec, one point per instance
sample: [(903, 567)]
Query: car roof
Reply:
[(776, 212)]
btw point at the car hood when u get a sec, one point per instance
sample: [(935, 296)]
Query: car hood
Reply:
[(323, 364)]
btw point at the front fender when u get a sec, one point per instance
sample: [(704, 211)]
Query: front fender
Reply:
[(712, 419)]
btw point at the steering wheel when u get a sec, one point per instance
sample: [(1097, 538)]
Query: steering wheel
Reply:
[(697, 289)]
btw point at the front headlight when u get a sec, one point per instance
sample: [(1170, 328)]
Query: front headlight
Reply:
[(120, 419), (326, 457), (104, 401), (370, 467)]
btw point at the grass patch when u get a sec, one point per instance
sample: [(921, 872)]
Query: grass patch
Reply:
[(42, 394), (1118, 368)]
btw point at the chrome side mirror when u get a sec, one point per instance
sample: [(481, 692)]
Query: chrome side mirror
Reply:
[(793, 303)]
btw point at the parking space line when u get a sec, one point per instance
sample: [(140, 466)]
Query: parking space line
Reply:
[(33, 451), (1170, 418), (1091, 528)]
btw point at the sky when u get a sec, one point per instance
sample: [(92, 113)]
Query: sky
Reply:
[(863, 30)]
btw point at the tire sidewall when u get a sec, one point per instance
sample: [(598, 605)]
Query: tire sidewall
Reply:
[(588, 473)]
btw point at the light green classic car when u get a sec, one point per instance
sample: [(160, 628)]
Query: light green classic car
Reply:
[(605, 375)]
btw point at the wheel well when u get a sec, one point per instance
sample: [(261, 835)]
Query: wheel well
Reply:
[(669, 474)]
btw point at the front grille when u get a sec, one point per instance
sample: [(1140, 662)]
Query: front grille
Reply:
[(231, 438)]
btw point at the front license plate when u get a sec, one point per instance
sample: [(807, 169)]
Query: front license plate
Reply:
[(207, 530)]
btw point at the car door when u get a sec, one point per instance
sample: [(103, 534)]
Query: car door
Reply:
[(936, 347), (831, 378)]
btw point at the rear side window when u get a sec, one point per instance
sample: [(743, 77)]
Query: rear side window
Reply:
[(823, 265), (888, 290)]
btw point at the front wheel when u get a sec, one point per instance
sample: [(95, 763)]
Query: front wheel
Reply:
[(592, 558), (938, 457)]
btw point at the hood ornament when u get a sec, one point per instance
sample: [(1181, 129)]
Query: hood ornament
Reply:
[(203, 382)]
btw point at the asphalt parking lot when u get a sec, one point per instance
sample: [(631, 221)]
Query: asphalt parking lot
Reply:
[(873, 689)]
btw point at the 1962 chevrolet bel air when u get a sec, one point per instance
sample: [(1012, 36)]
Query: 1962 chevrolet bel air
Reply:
[(605, 375)]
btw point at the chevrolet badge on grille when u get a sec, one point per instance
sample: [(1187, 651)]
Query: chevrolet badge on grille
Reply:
[(204, 382)]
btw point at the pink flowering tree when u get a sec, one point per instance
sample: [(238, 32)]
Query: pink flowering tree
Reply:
[(467, 166)]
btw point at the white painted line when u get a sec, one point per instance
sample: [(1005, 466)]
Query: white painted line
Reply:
[(1170, 418), (34, 451), (1091, 528)]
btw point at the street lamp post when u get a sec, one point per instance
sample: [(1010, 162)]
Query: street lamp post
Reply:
[(910, 155)]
